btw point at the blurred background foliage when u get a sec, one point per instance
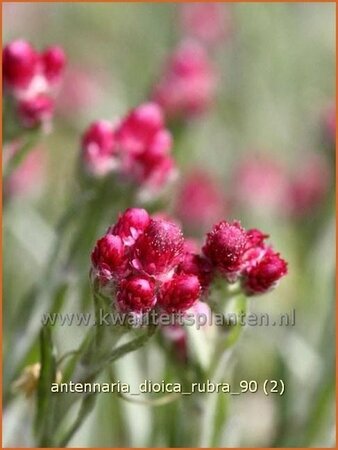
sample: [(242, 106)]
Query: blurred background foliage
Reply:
[(276, 78)]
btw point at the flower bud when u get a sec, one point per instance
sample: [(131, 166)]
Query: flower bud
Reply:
[(194, 264), (264, 276), (159, 249), (131, 224), (136, 133), (179, 293), (98, 148), (53, 62), (108, 258), (36, 111), (136, 294), (255, 248), (225, 246), (19, 63)]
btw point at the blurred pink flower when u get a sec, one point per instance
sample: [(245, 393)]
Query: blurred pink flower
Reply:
[(187, 86), (329, 119), (33, 79), (28, 175), (261, 184), (36, 111), (200, 201), (309, 185), (137, 148), (98, 148), (80, 91), (209, 22)]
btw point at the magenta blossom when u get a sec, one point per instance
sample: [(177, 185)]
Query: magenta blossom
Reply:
[(187, 86), (210, 23)]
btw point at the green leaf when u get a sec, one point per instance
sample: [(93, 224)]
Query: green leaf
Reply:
[(45, 397)]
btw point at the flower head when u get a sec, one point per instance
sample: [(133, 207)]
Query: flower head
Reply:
[(30, 78), (136, 294), (138, 131), (264, 275), (179, 293), (194, 264), (225, 246), (19, 64), (98, 148), (53, 62), (159, 249), (109, 258), (261, 183), (131, 224), (137, 148), (36, 111), (188, 84)]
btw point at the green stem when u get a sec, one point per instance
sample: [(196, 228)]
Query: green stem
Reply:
[(223, 353), (87, 369), (30, 140), (86, 407)]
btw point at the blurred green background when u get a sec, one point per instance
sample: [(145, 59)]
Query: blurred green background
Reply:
[(277, 76)]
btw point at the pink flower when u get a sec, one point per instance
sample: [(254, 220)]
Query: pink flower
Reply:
[(263, 276), (179, 293), (144, 261), (36, 111), (139, 130), (53, 62), (194, 264), (329, 121), (131, 224), (200, 201), (208, 22), (159, 249), (98, 148), (28, 175), (225, 246), (109, 258), (261, 184), (19, 64), (309, 185), (141, 147), (30, 78), (81, 89), (136, 294), (255, 248), (188, 84), (144, 145)]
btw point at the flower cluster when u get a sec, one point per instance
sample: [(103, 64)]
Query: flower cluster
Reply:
[(239, 254), (32, 78), (144, 262), (137, 148), (188, 83), (138, 260)]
